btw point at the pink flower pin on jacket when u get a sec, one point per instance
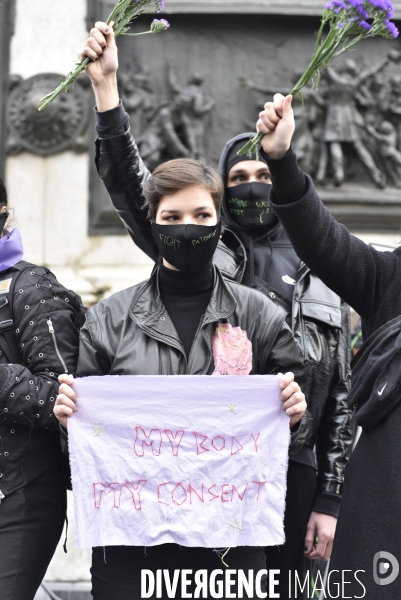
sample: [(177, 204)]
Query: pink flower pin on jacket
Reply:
[(232, 351)]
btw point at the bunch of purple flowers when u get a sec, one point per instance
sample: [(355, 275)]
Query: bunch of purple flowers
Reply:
[(357, 18), (122, 15)]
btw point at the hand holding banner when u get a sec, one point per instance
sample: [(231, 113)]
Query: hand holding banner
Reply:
[(193, 460)]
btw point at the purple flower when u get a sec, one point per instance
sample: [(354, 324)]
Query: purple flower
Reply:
[(391, 28), (364, 25), (159, 25), (159, 5), (362, 12), (340, 25), (340, 4)]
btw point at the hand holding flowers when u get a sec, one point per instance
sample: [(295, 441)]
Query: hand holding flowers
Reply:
[(349, 21), (122, 15)]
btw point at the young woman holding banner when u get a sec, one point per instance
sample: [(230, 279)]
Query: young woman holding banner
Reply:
[(166, 326)]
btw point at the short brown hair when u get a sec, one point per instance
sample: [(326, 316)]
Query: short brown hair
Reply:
[(175, 175)]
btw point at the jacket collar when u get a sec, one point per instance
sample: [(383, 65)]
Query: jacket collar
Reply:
[(149, 313)]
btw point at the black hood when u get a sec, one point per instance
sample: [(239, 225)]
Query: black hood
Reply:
[(223, 170)]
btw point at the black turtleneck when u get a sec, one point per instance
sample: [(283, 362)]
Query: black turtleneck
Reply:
[(186, 297)]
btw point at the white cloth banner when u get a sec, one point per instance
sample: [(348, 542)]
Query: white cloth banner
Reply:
[(193, 460)]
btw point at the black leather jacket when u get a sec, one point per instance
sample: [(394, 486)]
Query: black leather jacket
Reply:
[(135, 323), (320, 321), (45, 315)]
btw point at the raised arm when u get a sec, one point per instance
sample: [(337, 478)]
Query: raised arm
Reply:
[(355, 271), (117, 157)]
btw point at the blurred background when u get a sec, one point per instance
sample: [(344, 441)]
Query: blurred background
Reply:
[(220, 61)]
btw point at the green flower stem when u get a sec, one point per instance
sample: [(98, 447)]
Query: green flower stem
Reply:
[(336, 42), (65, 83), (135, 34), (122, 14)]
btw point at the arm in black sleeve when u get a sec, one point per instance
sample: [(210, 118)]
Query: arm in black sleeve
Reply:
[(334, 442), (123, 173), (111, 123), (91, 360), (358, 273), (44, 313)]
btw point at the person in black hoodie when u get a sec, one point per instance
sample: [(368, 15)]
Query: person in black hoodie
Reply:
[(370, 517), (38, 341), (254, 250)]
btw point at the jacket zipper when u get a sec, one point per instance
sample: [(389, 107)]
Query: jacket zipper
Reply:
[(51, 331)]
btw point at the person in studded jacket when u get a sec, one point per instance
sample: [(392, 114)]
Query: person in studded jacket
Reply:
[(261, 257), (32, 480)]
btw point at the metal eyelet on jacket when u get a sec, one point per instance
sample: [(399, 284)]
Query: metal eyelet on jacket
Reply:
[(27, 397), (37, 285), (162, 318), (51, 374), (31, 323), (17, 379), (41, 402), (35, 339), (32, 272), (42, 301), (67, 299), (12, 431), (40, 354), (51, 398), (12, 396), (20, 291), (272, 295), (37, 416), (6, 453), (22, 345), (5, 410), (17, 331), (31, 381)]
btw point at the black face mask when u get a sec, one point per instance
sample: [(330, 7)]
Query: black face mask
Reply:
[(249, 207), (187, 247), (3, 219)]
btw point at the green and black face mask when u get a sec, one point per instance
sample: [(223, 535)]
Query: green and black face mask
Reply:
[(248, 206)]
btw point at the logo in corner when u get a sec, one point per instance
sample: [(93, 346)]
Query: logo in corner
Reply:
[(385, 568)]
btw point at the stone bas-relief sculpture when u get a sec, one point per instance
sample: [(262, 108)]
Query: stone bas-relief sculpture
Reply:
[(166, 129), (61, 127), (355, 109)]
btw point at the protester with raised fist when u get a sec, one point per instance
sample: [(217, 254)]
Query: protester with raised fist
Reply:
[(369, 280), (253, 250)]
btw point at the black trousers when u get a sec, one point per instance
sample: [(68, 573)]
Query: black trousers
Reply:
[(116, 570), (31, 523), (301, 490)]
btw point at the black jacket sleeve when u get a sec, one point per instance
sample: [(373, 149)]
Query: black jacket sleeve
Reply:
[(335, 433), (358, 273), (123, 172), (44, 313)]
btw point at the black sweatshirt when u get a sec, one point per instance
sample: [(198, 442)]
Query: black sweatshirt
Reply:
[(367, 279)]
